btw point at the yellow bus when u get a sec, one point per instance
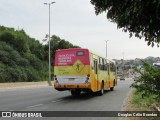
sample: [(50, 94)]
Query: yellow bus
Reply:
[(80, 70)]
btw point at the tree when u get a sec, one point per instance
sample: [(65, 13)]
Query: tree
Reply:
[(57, 43), (23, 58), (149, 81), (138, 17)]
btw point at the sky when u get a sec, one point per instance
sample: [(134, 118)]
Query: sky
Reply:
[(76, 22)]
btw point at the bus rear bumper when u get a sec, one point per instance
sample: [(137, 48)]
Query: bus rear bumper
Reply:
[(72, 86)]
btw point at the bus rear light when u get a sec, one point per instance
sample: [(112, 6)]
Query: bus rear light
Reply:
[(88, 75), (87, 78), (86, 81), (55, 77)]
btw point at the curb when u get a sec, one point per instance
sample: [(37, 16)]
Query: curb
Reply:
[(17, 85)]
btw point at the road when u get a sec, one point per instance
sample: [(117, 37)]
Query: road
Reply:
[(48, 99)]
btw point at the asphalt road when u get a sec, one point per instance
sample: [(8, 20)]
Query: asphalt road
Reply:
[(48, 99)]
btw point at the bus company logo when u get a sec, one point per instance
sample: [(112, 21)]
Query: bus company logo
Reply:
[(6, 114), (78, 65)]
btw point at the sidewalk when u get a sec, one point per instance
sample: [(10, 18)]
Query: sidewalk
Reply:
[(9, 86)]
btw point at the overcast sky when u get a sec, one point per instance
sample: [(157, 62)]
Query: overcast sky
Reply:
[(76, 22)]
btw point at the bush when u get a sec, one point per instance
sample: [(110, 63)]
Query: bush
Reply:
[(34, 61), (149, 81), (23, 58), (32, 75)]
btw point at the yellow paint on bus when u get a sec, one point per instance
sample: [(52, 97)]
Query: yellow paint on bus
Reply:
[(79, 69)]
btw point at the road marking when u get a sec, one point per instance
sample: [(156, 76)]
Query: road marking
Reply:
[(11, 110), (42, 104), (34, 105), (57, 100)]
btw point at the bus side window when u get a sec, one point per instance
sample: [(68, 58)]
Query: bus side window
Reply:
[(92, 62), (108, 66), (105, 65), (113, 67), (101, 64), (95, 66)]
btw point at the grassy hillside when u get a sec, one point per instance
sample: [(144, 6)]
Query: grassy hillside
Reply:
[(24, 59)]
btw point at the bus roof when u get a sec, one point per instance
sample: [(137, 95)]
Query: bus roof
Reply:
[(108, 60)]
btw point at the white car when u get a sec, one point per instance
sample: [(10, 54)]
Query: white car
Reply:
[(136, 78)]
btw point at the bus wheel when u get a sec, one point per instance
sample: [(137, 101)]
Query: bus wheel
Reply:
[(112, 88), (75, 92), (101, 92)]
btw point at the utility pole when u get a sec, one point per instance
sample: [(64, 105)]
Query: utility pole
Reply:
[(123, 64), (49, 58), (106, 47)]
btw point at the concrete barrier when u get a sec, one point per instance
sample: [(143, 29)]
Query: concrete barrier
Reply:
[(22, 85)]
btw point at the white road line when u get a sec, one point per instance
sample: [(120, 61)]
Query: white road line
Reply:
[(11, 110), (34, 105), (42, 104), (57, 100)]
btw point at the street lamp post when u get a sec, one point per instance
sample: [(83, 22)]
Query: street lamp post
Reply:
[(49, 59), (106, 47), (123, 64)]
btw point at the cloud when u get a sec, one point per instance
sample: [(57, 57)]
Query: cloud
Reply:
[(75, 21)]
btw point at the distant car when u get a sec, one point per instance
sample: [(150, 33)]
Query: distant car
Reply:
[(122, 78)]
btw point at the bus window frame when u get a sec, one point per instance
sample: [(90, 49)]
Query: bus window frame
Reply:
[(102, 64), (105, 65), (95, 62), (91, 61)]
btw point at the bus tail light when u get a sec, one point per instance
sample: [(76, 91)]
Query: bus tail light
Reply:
[(87, 78), (88, 75), (55, 78)]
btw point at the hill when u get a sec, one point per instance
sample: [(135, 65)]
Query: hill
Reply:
[(24, 59)]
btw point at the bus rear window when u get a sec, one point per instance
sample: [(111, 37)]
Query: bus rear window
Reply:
[(80, 53)]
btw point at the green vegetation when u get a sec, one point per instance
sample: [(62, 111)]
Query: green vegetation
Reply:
[(146, 96), (136, 103), (24, 59), (146, 104), (149, 81), (137, 17)]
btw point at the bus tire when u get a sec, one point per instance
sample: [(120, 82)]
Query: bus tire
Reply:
[(75, 92), (101, 92), (112, 88)]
